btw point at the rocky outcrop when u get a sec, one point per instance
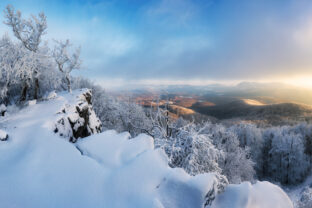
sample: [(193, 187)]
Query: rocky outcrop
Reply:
[(219, 184), (78, 119)]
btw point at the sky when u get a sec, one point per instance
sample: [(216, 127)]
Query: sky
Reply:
[(182, 41)]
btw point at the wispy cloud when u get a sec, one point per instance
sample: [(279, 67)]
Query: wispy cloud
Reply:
[(184, 39)]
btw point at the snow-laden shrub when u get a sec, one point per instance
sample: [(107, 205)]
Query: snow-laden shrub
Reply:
[(78, 119)]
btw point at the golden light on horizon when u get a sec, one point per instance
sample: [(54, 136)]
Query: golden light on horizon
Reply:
[(302, 81)]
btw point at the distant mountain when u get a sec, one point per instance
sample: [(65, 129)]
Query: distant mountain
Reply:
[(270, 93), (273, 103), (255, 110)]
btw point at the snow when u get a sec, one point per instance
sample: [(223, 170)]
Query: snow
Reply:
[(258, 195), (32, 102), (3, 135), (77, 118), (297, 193), (2, 108), (40, 169), (51, 95)]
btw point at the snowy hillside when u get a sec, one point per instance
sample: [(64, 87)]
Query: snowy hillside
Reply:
[(41, 168)]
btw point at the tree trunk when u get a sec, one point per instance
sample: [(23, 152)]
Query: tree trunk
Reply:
[(24, 92), (36, 88), (68, 84), (167, 124), (7, 99)]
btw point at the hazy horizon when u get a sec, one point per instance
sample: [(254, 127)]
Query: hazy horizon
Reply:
[(121, 84)]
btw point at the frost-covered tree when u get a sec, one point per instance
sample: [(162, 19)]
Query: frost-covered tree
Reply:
[(66, 60), (17, 65), (193, 151), (237, 164), (7, 65), (288, 162), (29, 32), (250, 137)]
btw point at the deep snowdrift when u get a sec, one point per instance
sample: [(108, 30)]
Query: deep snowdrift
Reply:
[(259, 195), (40, 169)]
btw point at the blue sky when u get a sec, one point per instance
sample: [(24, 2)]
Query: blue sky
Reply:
[(182, 40)]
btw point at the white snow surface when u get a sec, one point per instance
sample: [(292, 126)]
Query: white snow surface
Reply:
[(2, 108), (40, 169), (258, 195), (51, 95), (3, 135)]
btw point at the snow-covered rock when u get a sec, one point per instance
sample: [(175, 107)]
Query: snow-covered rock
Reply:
[(3, 109), (51, 95), (3, 135), (32, 102), (258, 195), (77, 119)]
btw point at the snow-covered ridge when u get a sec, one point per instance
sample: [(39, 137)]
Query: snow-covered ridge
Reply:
[(41, 169)]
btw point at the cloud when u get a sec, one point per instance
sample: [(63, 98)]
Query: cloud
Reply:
[(186, 39), (179, 11)]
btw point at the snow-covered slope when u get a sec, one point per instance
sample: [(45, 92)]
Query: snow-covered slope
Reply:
[(258, 195), (38, 168)]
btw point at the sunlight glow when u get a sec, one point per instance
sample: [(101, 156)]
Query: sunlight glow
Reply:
[(304, 81)]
